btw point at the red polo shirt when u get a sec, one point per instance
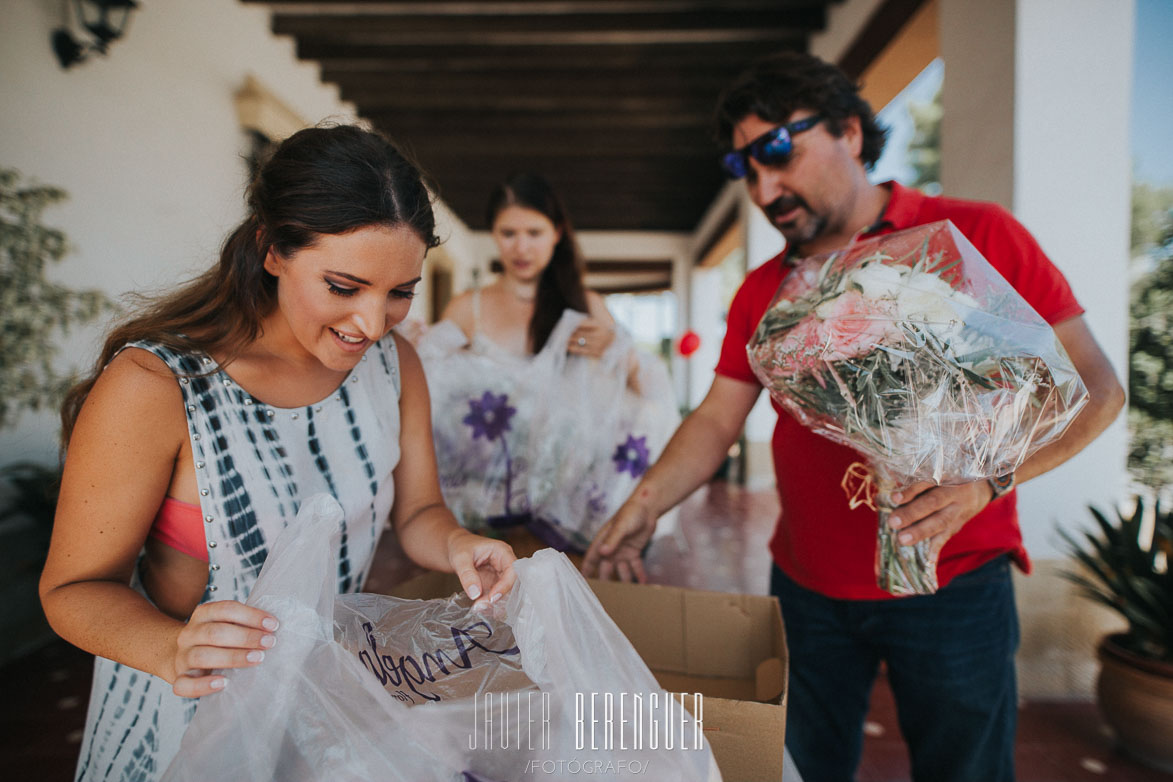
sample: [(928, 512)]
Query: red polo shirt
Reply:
[(818, 541)]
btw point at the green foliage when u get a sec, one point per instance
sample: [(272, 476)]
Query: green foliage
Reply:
[(34, 309), (924, 150), (1150, 371), (1151, 210), (1130, 574), (1150, 368), (1150, 451)]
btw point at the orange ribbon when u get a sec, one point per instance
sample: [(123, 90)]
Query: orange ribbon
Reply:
[(859, 486)]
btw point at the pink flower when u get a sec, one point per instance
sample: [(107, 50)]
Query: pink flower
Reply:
[(853, 325), (801, 280)]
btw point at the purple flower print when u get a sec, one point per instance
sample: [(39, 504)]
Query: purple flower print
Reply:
[(597, 501), (632, 456), (489, 416)]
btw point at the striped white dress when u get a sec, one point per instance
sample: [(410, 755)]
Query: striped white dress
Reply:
[(254, 464)]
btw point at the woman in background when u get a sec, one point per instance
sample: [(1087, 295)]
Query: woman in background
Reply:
[(221, 407), (549, 413), (541, 278)]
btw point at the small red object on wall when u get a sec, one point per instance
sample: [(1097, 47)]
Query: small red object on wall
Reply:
[(688, 343)]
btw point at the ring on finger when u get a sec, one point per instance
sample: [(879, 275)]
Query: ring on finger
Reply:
[(582, 342)]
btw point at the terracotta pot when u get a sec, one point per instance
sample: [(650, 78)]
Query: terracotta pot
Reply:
[(1136, 696)]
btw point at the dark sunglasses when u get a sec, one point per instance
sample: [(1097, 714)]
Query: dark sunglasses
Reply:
[(772, 148)]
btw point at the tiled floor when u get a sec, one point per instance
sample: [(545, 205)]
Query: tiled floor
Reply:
[(721, 544)]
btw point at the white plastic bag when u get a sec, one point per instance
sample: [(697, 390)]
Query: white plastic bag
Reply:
[(313, 711)]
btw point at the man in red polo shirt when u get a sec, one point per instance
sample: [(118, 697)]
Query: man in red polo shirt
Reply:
[(802, 137)]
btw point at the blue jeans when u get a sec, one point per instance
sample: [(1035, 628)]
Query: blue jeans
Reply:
[(950, 660)]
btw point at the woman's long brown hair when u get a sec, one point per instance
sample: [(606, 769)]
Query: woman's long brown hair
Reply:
[(325, 180), (561, 285)]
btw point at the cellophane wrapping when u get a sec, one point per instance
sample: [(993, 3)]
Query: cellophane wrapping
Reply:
[(369, 687), (912, 349), (553, 442)]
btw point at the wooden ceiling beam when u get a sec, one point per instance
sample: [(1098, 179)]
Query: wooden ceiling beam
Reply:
[(618, 107), (729, 25), (626, 214), (478, 151), (481, 58), (441, 38), (611, 99), (802, 19), (550, 82), (633, 266), (578, 198), (596, 172), (491, 121), (516, 7)]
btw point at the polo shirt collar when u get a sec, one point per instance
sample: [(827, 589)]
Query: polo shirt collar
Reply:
[(903, 208)]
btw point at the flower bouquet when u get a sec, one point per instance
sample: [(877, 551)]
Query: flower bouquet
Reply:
[(912, 349)]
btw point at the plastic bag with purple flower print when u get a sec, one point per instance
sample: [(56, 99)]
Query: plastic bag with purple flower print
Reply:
[(552, 442)]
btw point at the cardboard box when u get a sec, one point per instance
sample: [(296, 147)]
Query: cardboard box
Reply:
[(731, 648)]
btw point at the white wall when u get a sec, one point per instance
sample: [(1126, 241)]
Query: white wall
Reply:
[(1072, 189), (1030, 87), (147, 144)]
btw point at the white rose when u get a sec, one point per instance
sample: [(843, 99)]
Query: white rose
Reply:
[(876, 281)]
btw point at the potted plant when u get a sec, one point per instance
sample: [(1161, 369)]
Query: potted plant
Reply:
[(35, 311), (1130, 569), (28, 500)]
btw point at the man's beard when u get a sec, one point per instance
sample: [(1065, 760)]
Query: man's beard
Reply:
[(797, 232)]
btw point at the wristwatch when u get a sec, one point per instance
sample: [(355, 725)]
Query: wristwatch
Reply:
[(1001, 485)]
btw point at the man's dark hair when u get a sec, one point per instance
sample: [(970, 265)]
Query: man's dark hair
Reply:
[(778, 85)]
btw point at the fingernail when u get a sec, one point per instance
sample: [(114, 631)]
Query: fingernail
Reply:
[(495, 598), (254, 656), (894, 522), (480, 605), (218, 684), (269, 623), (268, 641), (474, 591), (906, 538)]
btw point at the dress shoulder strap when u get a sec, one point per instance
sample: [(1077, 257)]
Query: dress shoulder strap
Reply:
[(184, 365), (387, 357)]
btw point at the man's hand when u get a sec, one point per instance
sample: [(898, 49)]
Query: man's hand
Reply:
[(936, 513), (617, 549)]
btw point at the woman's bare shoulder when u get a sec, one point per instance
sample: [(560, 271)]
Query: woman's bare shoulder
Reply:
[(409, 359), (136, 392), (460, 311)]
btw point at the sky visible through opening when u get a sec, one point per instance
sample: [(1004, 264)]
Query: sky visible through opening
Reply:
[(1151, 123), (893, 163), (1152, 94)]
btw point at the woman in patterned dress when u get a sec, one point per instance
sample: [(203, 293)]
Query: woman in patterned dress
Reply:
[(217, 410)]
